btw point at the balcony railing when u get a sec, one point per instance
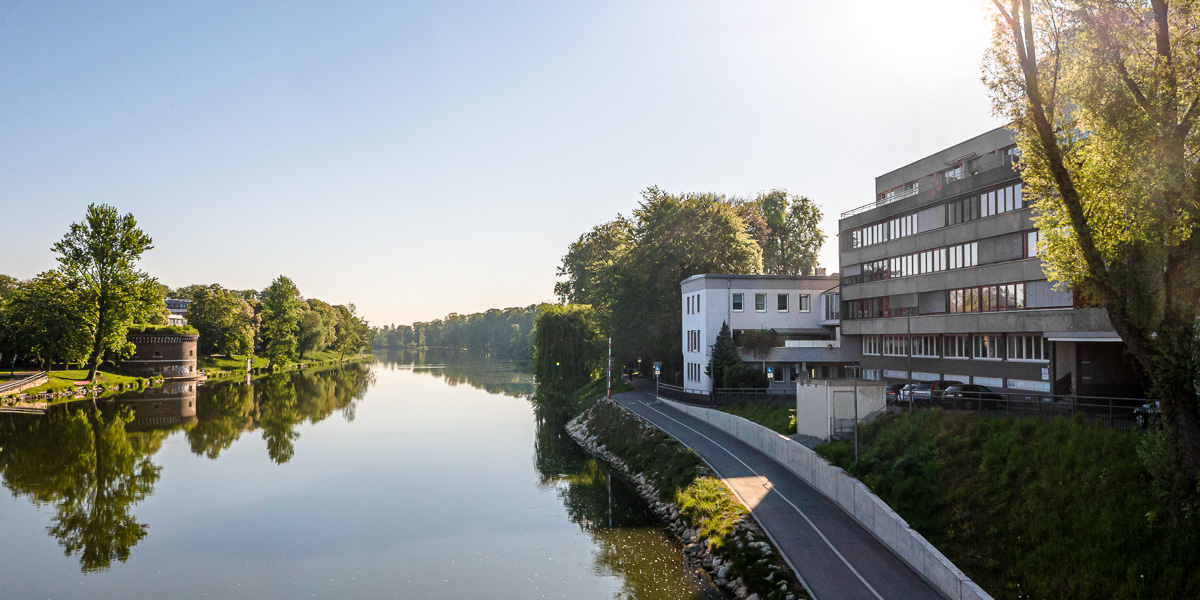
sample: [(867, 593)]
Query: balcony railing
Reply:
[(934, 181)]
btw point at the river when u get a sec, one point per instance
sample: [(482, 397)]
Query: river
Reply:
[(413, 477)]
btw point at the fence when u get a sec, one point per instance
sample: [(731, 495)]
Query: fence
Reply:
[(19, 385), (722, 397), (1118, 413)]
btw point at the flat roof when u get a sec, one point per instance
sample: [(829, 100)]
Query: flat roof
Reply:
[(833, 277)]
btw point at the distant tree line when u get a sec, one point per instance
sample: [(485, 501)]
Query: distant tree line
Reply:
[(629, 269), (502, 333), (81, 312)]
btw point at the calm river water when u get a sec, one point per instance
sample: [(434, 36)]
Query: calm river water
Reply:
[(411, 478)]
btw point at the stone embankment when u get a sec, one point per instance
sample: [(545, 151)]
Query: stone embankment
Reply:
[(72, 392), (747, 562)]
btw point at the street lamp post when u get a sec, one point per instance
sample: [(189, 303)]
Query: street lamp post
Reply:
[(856, 368)]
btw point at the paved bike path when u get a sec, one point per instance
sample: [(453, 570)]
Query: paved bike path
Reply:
[(831, 552)]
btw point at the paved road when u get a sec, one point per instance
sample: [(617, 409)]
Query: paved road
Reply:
[(834, 556)]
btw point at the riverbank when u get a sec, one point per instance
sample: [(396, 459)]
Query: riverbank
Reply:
[(71, 383), (718, 535), (1031, 510), (227, 366)]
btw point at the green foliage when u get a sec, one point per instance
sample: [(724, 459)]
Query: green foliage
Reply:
[(176, 329), (668, 466), (501, 333), (1102, 97), (47, 317), (1055, 510), (99, 258), (8, 283), (570, 351), (280, 320), (792, 234), (760, 342), (725, 356), (311, 334), (745, 375), (226, 322)]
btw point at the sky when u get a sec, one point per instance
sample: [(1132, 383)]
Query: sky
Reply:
[(423, 158)]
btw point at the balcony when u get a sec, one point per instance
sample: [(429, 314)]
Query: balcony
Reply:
[(936, 181)]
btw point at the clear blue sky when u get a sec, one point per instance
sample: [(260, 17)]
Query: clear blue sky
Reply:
[(433, 157)]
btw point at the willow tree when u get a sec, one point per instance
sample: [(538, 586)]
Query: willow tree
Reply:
[(1104, 96)]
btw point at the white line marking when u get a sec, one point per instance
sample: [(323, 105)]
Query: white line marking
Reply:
[(769, 490)]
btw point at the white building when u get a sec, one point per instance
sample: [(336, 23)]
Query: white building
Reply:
[(802, 311)]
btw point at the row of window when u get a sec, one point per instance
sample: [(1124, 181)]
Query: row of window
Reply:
[(693, 340), (987, 298), (918, 263), (962, 210), (782, 302), (881, 232), (1029, 347), (693, 371), (692, 302)]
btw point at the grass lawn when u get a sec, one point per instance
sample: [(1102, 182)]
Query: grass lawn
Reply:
[(64, 380), (213, 365), (778, 418)]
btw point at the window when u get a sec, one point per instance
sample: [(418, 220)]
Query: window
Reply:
[(987, 298), (992, 382), (955, 346), (1033, 386), (781, 302), (1031, 245), (1003, 200), (1027, 347), (804, 303), (871, 345), (925, 345), (688, 303), (866, 309), (895, 345), (919, 376), (760, 303), (954, 174), (737, 302), (986, 347)]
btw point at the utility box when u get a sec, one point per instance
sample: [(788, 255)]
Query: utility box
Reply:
[(825, 407)]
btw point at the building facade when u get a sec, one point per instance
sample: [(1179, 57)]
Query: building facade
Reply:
[(166, 355), (801, 310), (941, 279)]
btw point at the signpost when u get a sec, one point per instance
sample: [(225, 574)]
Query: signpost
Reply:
[(657, 370)]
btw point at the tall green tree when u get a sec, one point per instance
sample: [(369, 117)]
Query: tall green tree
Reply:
[(792, 238), (676, 236), (8, 283), (1104, 97), (724, 357), (99, 256), (281, 310), (569, 349), (310, 336), (226, 322), (47, 317)]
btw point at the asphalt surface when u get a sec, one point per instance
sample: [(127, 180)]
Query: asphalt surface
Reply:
[(834, 556)]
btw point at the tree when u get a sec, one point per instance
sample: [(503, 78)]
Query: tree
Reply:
[(569, 350), (225, 321), (280, 320), (724, 356), (99, 258), (8, 283), (50, 319), (792, 237), (311, 332), (1104, 97)]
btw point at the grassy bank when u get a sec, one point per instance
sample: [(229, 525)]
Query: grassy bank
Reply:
[(779, 419), (74, 378), (678, 478), (1030, 510), (224, 366), (573, 403)]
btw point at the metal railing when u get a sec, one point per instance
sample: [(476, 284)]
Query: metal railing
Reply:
[(1118, 413), (724, 396), (15, 384), (934, 181)]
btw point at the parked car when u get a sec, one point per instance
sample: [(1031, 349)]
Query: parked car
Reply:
[(1148, 415), (929, 392), (893, 392), (906, 392), (969, 397)]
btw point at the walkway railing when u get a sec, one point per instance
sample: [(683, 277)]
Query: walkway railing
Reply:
[(722, 396), (26, 382), (1119, 413)]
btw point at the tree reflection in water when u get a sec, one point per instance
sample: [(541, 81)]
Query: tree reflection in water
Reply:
[(92, 463), (85, 463)]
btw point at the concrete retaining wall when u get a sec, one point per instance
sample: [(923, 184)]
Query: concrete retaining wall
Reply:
[(850, 494)]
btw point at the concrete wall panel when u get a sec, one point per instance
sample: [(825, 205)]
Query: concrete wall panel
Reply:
[(864, 506), (845, 491), (941, 572), (972, 591)]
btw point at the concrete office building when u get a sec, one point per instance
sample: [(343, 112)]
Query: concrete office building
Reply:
[(941, 280), (802, 310)]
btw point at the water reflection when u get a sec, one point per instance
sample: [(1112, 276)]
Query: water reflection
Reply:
[(92, 462), (84, 462), (511, 379)]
